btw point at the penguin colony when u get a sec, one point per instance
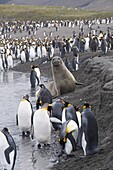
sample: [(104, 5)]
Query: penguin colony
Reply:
[(31, 47), (76, 129)]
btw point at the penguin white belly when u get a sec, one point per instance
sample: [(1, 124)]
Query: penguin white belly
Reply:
[(23, 58), (3, 146), (10, 62), (38, 73), (84, 143), (44, 52), (39, 52), (52, 52), (1, 65), (32, 54), (42, 126), (63, 116), (79, 118), (18, 53), (68, 147), (24, 115)]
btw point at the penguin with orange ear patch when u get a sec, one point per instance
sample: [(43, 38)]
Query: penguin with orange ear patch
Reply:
[(68, 137), (24, 116), (69, 113), (43, 96), (8, 150), (34, 76), (89, 137), (41, 129)]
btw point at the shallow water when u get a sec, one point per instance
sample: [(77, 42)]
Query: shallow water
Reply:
[(13, 86)]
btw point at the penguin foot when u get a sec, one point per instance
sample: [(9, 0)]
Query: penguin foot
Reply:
[(39, 146), (60, 154), (23, 134), (82, 156), (27, 134), (46, 145)]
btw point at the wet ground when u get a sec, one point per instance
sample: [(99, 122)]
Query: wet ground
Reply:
[(12, 89)]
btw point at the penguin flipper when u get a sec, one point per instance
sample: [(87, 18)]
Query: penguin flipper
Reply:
[(17, 119), (32, 132), (7, 152), (32, 118)]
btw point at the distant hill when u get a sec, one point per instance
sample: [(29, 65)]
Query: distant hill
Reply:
[(99, 5)]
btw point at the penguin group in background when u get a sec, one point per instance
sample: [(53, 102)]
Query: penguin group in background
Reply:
[(43, 96), (24, 117), (34, 76), (41, 129), (8, 151), (68, 137), (89, 131)]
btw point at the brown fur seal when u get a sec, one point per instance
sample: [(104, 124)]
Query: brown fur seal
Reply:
[(63, 80)]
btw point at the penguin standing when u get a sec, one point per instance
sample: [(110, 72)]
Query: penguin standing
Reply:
[(68, 137), (44, 96), (24, 116), (7, 150), (38, 74), (32, 53), (89, 129), (34, 76), (39, 54), (10, 61), (56, 116), (41, 126), (22, 56), (69, 113), (1, 64)]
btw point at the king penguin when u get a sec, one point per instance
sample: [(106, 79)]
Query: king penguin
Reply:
[(69, 113), (24, 117), (34, 76), (89, 127), (43, 96), (68, 136), (7, 150), (56, 116), (41, 129)]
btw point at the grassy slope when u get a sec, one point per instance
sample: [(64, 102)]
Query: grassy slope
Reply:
[(98, 5), (46, 13)]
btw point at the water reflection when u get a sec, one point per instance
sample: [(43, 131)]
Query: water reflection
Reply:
[(13, 86)]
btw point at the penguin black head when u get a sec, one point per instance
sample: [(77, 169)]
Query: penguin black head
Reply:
[(26, 97), (5, 129), (76, 108), (33, 67), (67, 104), (42, 85), (86, 105)]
